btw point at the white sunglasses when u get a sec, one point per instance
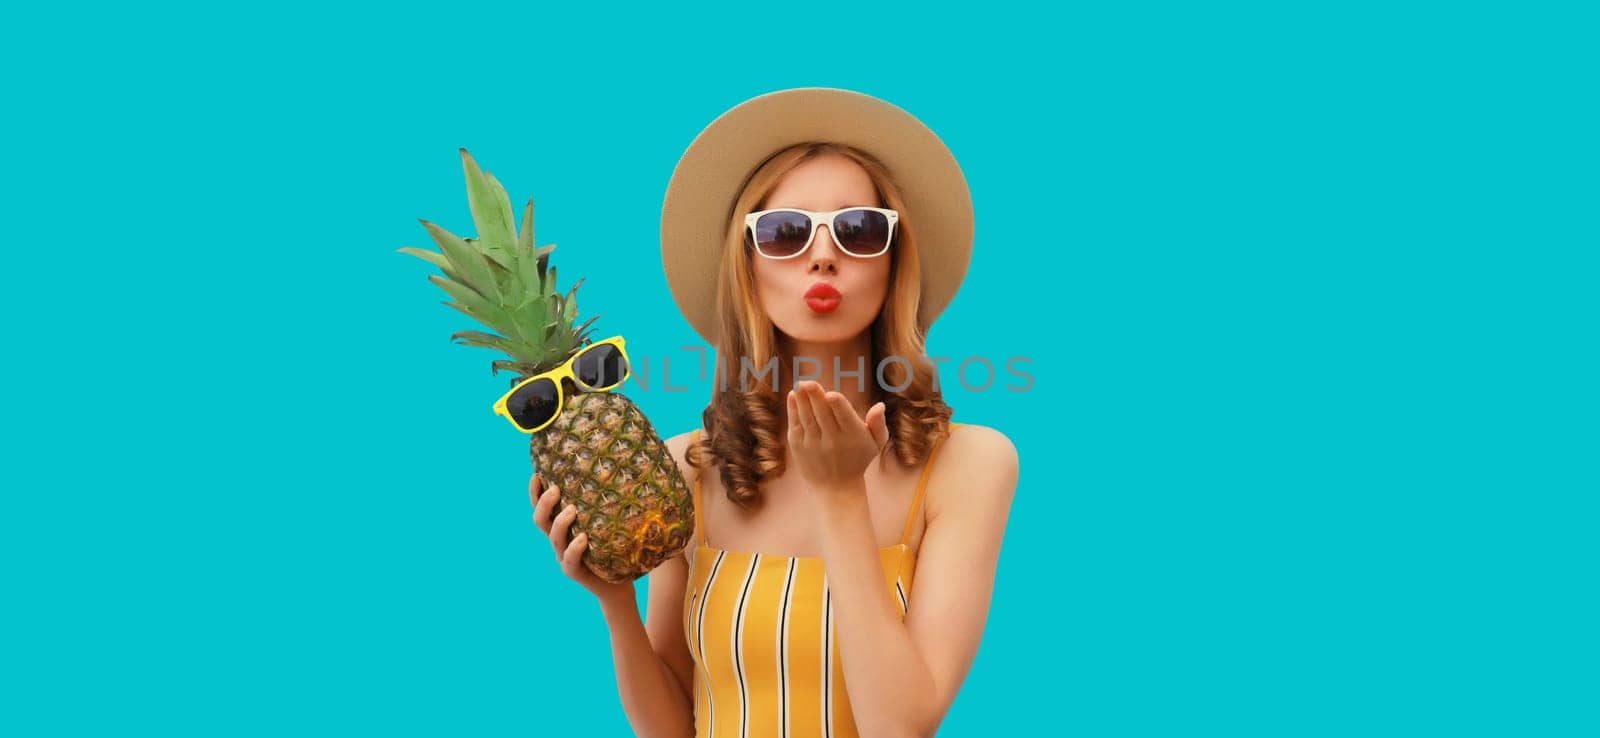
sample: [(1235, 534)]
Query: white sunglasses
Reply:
[(784, 233)]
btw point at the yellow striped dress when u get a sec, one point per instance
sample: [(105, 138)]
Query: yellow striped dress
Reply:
[(760, 630)]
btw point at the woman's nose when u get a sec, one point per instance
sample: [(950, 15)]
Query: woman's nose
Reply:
[(824, 253)]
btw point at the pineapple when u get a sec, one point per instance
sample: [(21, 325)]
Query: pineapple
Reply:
[(601, 451)]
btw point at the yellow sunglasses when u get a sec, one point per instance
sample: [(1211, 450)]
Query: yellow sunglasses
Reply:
[(536, 402)]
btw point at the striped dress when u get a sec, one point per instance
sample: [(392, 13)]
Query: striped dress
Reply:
[(760, 630)]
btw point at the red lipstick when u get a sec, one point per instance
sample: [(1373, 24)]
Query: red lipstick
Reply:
[(823, 298)]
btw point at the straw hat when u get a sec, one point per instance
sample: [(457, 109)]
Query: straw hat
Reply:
[(697, 210)]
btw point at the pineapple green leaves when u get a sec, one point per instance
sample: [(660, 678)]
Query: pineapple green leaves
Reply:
[(504, 282)]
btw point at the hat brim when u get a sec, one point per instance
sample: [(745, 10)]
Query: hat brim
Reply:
[(697, 209)]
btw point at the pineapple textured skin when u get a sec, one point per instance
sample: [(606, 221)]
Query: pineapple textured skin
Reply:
[(627, 490)]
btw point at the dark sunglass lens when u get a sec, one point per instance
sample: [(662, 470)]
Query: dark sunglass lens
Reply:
[(600, 367), (533, 404), (861, 232), (782, 234)]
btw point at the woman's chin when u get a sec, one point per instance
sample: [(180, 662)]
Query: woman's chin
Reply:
[(823, 328)]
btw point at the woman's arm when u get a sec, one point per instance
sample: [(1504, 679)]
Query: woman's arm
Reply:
[(654, 698), (652, 661), (903, 677)]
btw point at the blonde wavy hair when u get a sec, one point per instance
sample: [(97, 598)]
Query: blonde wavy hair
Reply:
[(742, 423)]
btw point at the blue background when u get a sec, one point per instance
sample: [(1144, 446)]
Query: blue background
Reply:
[(1309, 294)]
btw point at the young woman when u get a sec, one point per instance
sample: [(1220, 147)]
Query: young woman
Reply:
[(838, 579)]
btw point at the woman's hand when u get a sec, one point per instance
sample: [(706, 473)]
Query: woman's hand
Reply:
[(832, 445), (569, 554)]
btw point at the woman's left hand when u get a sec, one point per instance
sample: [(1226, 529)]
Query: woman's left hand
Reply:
[(831, 444)]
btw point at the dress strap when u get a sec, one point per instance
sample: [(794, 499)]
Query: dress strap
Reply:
[(699, 512), (922, 484)]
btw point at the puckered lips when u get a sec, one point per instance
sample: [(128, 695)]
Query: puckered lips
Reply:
[(823, 298)]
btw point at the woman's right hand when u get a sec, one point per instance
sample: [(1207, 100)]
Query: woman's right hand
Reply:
[(569, 553)]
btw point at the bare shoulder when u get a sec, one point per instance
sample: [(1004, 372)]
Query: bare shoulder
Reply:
[(978, 466), (981, 448), (679, 445)]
